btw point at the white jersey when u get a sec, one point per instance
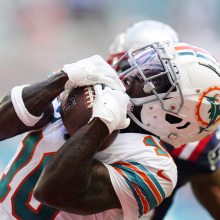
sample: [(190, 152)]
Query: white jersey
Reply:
[(141, 171)]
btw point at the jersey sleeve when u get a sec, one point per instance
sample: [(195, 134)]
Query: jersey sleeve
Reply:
[(140, 188)]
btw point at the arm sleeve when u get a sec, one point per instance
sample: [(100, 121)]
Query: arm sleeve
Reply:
[(138, 187)]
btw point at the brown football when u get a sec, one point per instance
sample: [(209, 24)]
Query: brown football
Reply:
[(76, 110)]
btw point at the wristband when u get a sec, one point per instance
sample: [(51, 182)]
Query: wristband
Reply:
[(20, 109)]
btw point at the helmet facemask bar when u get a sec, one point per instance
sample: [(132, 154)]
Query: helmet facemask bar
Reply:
[(163, 57)]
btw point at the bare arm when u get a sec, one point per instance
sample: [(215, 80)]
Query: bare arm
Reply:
[(206, 188), (209, 197), (37, 99), (72, 181)]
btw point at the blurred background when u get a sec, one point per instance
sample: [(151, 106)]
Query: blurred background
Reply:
[(38, 37)]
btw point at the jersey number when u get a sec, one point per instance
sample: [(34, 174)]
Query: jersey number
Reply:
[(149, 141), (21, 208)]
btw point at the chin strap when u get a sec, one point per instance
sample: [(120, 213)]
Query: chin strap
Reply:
[(140, 124), (131, 115), (167, 138)]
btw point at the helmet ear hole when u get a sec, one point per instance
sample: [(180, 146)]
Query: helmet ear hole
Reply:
[(172, 119)]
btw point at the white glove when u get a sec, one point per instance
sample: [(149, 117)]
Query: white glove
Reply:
[(111, 107), (91, 71)]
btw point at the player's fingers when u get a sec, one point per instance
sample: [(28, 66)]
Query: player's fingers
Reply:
[(97, 88)]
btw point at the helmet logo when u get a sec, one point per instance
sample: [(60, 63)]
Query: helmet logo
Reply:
[(212, 95)]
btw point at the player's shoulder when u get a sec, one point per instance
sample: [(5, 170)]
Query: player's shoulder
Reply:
[(135, 142), (138, 140), (143, 162), (141, 148)]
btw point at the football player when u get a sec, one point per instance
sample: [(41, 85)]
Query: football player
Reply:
[(197, 162), (53, 178)]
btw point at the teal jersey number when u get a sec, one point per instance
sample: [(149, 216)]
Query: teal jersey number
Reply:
[(149, 141), (21, 209)]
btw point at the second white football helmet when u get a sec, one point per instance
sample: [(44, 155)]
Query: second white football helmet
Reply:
[(140, 34)]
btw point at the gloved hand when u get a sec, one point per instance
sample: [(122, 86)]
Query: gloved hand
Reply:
[(111, 107), (91, 71)]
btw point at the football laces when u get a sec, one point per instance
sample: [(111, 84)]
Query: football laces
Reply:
[(90, 96)]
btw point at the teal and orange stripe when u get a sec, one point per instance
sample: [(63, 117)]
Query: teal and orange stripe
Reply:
[(186, 53), (197, 51), (144, 180), (143, 206), (207, 58), (198, 55)]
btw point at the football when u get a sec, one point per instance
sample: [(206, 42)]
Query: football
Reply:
[(76, 110)]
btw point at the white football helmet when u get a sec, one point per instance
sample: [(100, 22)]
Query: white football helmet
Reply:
[(139, 35), (182, 86)]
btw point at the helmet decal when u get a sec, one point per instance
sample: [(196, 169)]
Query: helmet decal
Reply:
[(212, 95), (195, 51)]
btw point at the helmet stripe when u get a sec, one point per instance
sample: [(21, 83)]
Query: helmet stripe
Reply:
[(182, 50)]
